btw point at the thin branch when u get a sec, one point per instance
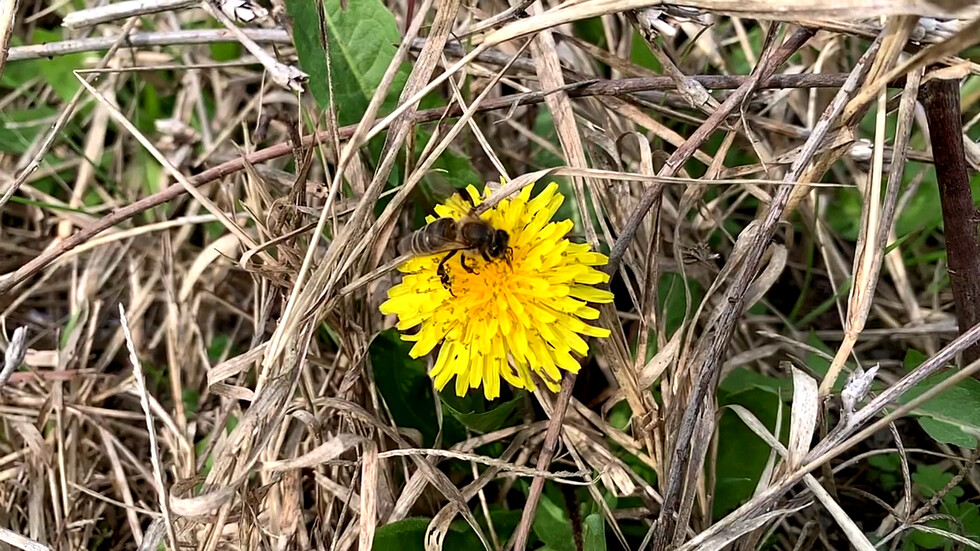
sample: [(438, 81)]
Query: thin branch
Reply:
[(941, 100), (8, 13), (279, 36), (122, 10), (145, 40), (545, 456), (14, 355)]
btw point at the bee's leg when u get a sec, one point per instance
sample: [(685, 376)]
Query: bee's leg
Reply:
[(462, 262), (444, 274)]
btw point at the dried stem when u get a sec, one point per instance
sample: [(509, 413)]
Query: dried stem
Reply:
[(867, 264), (941, 99), (145, 40), (122, 10), (545, 455)]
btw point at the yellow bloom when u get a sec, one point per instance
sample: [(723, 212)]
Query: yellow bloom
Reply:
[(507, 318)]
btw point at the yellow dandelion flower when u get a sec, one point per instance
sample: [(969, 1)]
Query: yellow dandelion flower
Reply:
[(508, 317)]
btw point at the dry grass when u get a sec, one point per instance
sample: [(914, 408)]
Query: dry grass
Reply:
[(200, 294)]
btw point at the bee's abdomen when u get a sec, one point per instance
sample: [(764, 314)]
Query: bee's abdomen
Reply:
[(405, 244), (434, 237)]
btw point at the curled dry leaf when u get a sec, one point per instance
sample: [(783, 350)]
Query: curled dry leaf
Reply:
[(806, 409), (244, 11), (227, 246), (769, 275), (14, 356), (612, 472), (855, 389)]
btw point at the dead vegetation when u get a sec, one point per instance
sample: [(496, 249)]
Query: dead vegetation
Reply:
[(193, 251)]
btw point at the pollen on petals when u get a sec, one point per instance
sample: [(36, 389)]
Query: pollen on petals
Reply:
[(518, 319)]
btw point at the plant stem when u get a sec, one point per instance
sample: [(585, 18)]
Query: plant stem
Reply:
[(941, 99)]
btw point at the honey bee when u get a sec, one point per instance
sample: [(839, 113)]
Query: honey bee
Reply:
[(470, 235)]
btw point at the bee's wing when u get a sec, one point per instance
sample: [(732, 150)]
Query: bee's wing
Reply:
[(440, 187), (405, 244), (449, 246)]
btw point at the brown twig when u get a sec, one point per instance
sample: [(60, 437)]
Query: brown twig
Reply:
[(604, 87), (941, 99), (547, 452)]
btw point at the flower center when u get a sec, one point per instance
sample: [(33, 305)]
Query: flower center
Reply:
[(484, 279)]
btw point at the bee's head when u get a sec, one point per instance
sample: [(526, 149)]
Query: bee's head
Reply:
[(499, 244)]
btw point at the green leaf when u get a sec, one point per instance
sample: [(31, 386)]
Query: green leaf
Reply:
[(455, 170), (409, 535), (953, 417), (969, 515), (947, 431), (591, 30), (741, 379), (739, 61), (479, 415), (928, 480), (404, 384), (225, 51), (504, 522), (192, 399), (923, 213), (309, 40), (57, 71), (741, 454), (620, 415), (362, 40), (673, 290), (450, 172), (219, 343), (18, 129), (885, 469), (641, 54), (594, 533), (404, 535), (552, 524), (19, 73)]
